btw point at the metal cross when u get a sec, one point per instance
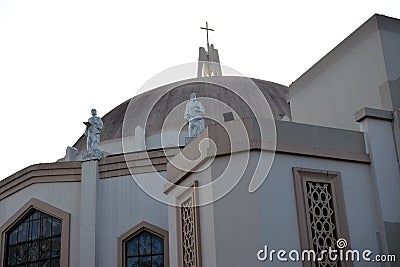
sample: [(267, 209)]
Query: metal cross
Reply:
[(207, 29)]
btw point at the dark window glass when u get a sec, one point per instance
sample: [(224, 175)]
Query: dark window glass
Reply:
[(145, 249), (158, 261), (133, 262), (133, 247), (145, 261), (34, 241), (157, 245), (145, 243)]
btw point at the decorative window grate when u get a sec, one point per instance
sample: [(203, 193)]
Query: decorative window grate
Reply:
[(321, 215), (320, 209), (188, 233), (188, 228)]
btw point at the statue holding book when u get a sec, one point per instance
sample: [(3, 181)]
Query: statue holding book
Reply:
[(94, 125), (194, 113)]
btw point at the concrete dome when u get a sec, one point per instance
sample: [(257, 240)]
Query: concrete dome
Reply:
[(150, 109)]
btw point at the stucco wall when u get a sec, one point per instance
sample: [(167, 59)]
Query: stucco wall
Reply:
[(122, 204), (390, 37), (206, 218), (245, 222), (344, 81), (65, 196)]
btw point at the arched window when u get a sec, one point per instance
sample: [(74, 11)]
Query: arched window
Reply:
[(145, 249), (34, 240), (36, 235), (144, 245)]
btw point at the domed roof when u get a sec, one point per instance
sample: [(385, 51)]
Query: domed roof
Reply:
[(150, 109)]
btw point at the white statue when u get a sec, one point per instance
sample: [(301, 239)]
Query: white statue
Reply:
[(194, 115), (92, 132)]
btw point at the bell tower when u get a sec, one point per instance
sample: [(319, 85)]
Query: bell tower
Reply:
[(208, 63)]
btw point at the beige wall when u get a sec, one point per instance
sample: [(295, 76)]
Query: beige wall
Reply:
[(239, 224), (122, 204), (390, 37), (344, 81), (65, 196), (206, 218), (245, 222)]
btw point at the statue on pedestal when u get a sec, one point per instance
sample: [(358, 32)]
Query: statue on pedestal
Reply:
[(194, 113), (92, 132)]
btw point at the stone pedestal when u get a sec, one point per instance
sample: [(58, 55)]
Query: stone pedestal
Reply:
[(188, 140), (92, 155)]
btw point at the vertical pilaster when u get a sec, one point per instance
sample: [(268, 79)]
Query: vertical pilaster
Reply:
[(378, 128), (87, 250)]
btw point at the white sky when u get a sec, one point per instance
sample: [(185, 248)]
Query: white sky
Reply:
[(58, 59)]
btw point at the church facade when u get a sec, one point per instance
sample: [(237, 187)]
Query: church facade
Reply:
[(279, 176)]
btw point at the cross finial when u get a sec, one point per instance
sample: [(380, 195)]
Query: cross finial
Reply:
[(207, 30)]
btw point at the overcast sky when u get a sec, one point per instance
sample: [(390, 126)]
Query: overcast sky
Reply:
[(58, 59)]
